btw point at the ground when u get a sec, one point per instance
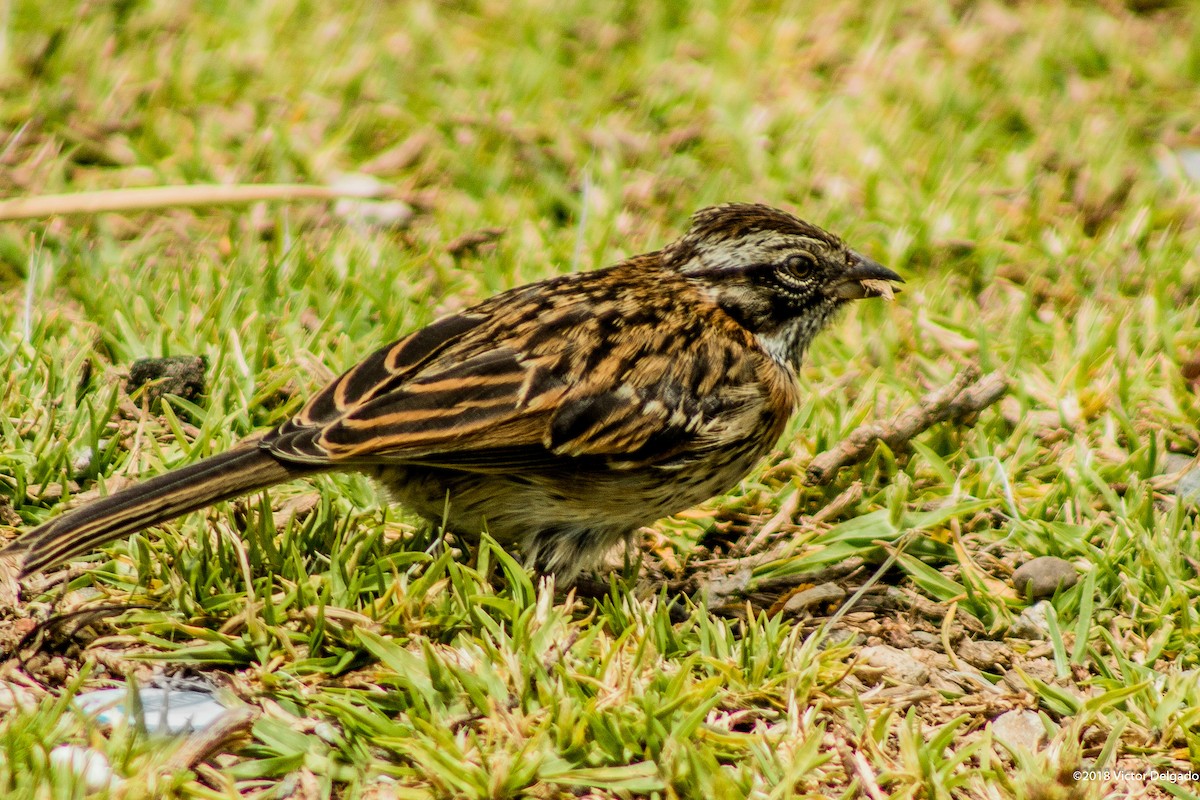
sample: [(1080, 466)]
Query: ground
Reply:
[(1032, 169)]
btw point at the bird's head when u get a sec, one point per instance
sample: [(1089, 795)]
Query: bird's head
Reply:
[(778, 276)]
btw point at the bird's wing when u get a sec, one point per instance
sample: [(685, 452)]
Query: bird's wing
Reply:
[(573, 377)]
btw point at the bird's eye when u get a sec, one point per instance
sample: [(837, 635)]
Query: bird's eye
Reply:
[(800, 266)]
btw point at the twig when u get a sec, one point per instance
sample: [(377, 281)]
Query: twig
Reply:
[(203, 744), (834, 573), (472, 241), (849, 498), (153, 197), (56, 627), (10, 568), (967, 394), (787, 510), (856, 766)]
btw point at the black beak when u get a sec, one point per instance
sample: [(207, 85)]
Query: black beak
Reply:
[(865, 278)]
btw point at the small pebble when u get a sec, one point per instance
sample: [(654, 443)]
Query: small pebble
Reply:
[(14, 697), (1032, 623), (1044, 576), (1020, 729), (723, 585), (1189, 159), (89, 764), (1176, 462), (895, 664), (1186, 471), (926, 639), (1188, 488), (388, 214), (984, 654), (366, 206)]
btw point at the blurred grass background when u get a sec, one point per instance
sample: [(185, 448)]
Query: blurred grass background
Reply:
[(1032, 168)]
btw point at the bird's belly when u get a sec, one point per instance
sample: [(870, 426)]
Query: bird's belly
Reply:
[(564, 521)]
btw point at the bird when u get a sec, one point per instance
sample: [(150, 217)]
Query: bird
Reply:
[(560, 416)]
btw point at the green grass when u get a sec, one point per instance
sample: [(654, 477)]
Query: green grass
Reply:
[(1018, 164)]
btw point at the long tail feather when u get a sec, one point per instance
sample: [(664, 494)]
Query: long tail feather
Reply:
[(221, 477)]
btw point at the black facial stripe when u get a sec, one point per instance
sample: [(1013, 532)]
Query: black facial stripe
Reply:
[(755, 273)]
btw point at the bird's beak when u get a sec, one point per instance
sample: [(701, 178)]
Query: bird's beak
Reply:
[(865, 278)]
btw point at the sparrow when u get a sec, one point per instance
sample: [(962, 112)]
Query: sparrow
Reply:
[(560, 416)]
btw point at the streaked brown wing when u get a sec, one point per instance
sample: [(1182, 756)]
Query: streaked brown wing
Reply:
[(384, 369), (470, 393), (474, 404)]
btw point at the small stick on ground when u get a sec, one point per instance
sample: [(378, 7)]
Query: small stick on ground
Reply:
[(10, 568), (966, 395), (157, 197), (471, 242), (202, 745), (856, 766), (839, 505)]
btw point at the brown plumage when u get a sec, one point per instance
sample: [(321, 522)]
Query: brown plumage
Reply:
[(560, 416)]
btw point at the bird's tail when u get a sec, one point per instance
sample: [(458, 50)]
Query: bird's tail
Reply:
[(221, 477)]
